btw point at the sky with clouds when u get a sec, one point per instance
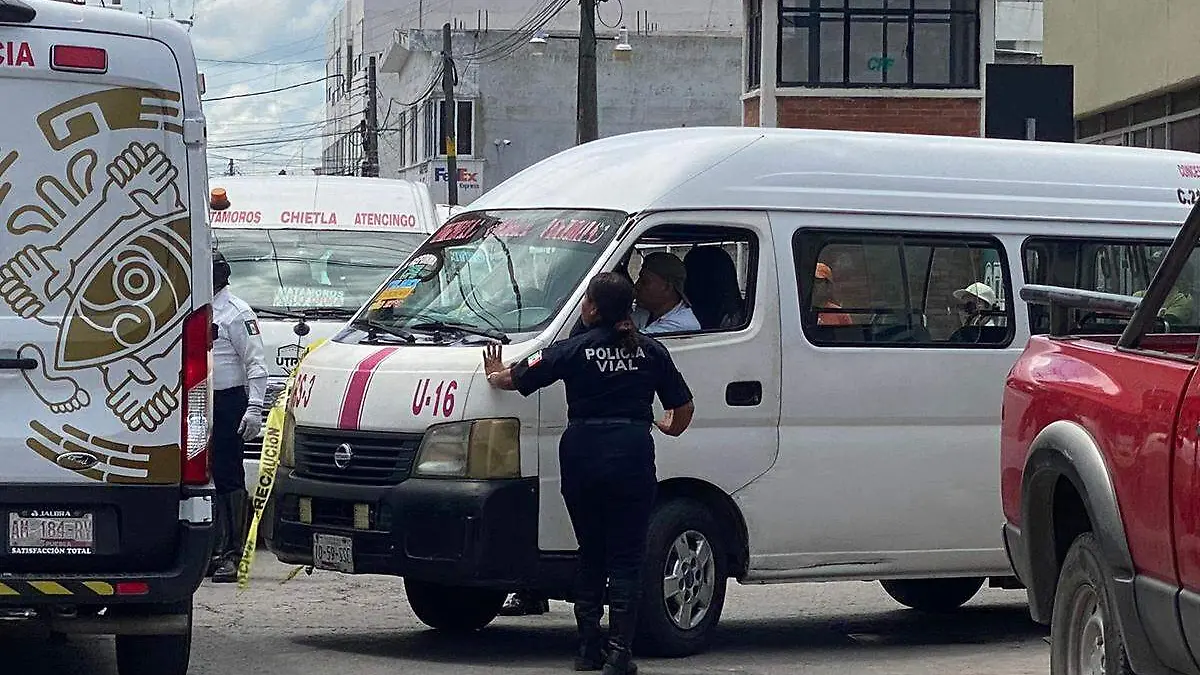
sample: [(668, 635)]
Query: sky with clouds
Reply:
[(249, 46)]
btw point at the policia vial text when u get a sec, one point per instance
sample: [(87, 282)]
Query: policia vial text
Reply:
[(613, 359)]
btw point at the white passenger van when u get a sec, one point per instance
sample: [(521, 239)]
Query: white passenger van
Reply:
[(849, 432), (307, 251), (105, 329)]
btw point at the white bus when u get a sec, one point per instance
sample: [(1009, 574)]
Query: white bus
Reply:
[(307, 251), (855, 293)]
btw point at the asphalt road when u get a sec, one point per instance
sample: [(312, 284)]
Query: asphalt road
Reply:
[(328, 624)]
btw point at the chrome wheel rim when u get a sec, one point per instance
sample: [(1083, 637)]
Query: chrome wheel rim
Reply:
[(689, 580), (1085, 640)]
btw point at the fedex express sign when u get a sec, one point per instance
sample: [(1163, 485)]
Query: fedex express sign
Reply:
[(471, 178)]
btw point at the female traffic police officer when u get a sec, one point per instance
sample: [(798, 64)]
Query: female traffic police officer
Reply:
[(611, 373)]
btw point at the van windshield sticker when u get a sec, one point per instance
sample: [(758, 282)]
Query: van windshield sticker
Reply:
[(574, 230), (309, 296)]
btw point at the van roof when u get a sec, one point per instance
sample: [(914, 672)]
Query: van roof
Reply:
[(64, 14), (325, 203), (867, 172)]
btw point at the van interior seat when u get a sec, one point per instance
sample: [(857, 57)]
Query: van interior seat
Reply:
[(712, 287)]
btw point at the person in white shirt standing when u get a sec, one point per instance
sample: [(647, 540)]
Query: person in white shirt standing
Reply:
[(239, 386)]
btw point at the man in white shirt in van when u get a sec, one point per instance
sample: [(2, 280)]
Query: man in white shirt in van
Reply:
[(662, 306)]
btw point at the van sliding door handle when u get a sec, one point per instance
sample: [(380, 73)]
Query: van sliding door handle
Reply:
[(743, 394), (18, 364)]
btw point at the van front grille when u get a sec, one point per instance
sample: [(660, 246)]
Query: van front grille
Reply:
[(368, 458)]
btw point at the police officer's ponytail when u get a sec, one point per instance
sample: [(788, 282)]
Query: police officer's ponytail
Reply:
[(612, 294)]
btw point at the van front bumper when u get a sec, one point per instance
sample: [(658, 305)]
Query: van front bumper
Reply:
[(456, 532)]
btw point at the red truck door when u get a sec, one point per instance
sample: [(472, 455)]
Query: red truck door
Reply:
[(1185, 496)]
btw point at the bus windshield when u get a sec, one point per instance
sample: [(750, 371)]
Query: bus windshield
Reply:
[(301, 269), (499, 271)]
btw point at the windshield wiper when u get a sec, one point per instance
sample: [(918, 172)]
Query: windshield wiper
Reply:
[(326, 313), (277, 312), (463, 328), (373, 328)]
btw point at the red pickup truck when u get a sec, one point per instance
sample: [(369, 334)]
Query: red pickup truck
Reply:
[(1100, 472)]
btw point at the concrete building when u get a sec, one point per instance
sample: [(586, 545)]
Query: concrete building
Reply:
[(515, 107), (1137, 75), (914, 66)]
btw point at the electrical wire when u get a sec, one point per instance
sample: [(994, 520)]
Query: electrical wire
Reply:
[(268, 91)]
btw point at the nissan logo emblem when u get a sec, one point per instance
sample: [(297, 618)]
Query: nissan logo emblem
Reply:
[(342, 455)]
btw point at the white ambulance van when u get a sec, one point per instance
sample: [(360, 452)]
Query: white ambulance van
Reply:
[(105, 329), (855, 297), (307, 251)]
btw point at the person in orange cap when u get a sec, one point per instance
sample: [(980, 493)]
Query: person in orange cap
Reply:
[(823, 298)]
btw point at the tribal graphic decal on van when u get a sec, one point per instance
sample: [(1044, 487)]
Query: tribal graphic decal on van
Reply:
[(102, 262)]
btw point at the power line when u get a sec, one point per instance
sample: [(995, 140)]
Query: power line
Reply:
[(269, 91), (261, 63)]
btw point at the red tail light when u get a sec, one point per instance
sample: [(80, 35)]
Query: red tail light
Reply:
[(197, 396), (78, 59)]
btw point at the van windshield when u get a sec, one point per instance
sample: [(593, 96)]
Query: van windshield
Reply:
[(499, 271), (297, 270)]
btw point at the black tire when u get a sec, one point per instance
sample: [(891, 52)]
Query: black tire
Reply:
[(156, 654), (1083, 582), (658, 632), (933, 595), (453, 609)]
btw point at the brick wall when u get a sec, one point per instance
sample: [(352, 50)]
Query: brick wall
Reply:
[(750, 112), (942, 116)]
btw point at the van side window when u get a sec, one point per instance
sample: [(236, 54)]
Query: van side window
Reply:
[(903, 290), (1121, 267), (718, 265)]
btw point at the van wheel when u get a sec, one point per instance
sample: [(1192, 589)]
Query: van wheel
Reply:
[(1084, 636), (932, 595), (156, 654), (453, 609), (683, 582)]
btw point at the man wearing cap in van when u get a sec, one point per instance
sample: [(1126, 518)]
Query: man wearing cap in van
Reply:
[(973, 302), (662, 306)]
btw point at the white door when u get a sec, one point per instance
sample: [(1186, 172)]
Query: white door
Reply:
[(889, 433), (733, 372)]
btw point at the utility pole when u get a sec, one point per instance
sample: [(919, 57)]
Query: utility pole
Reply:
[(587, 126), (449, 123), (371, 134)]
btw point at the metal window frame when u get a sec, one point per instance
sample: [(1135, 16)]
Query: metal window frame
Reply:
[(814, 15)]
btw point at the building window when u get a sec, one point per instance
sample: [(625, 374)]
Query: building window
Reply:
[(411, 130), (879, 43), (464, 123), (753, 44)]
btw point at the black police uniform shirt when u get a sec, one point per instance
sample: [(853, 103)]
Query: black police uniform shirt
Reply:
[(603, 379)]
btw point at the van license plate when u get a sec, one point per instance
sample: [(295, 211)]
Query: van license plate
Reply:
[(331, 552), (50, 532)]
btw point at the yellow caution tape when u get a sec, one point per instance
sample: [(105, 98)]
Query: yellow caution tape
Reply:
[(268, 464)]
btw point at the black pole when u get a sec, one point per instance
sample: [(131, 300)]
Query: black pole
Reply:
[(586, 123), (371, 138), (448, 118)]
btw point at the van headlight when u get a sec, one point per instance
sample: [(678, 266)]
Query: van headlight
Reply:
[(479, 449)]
